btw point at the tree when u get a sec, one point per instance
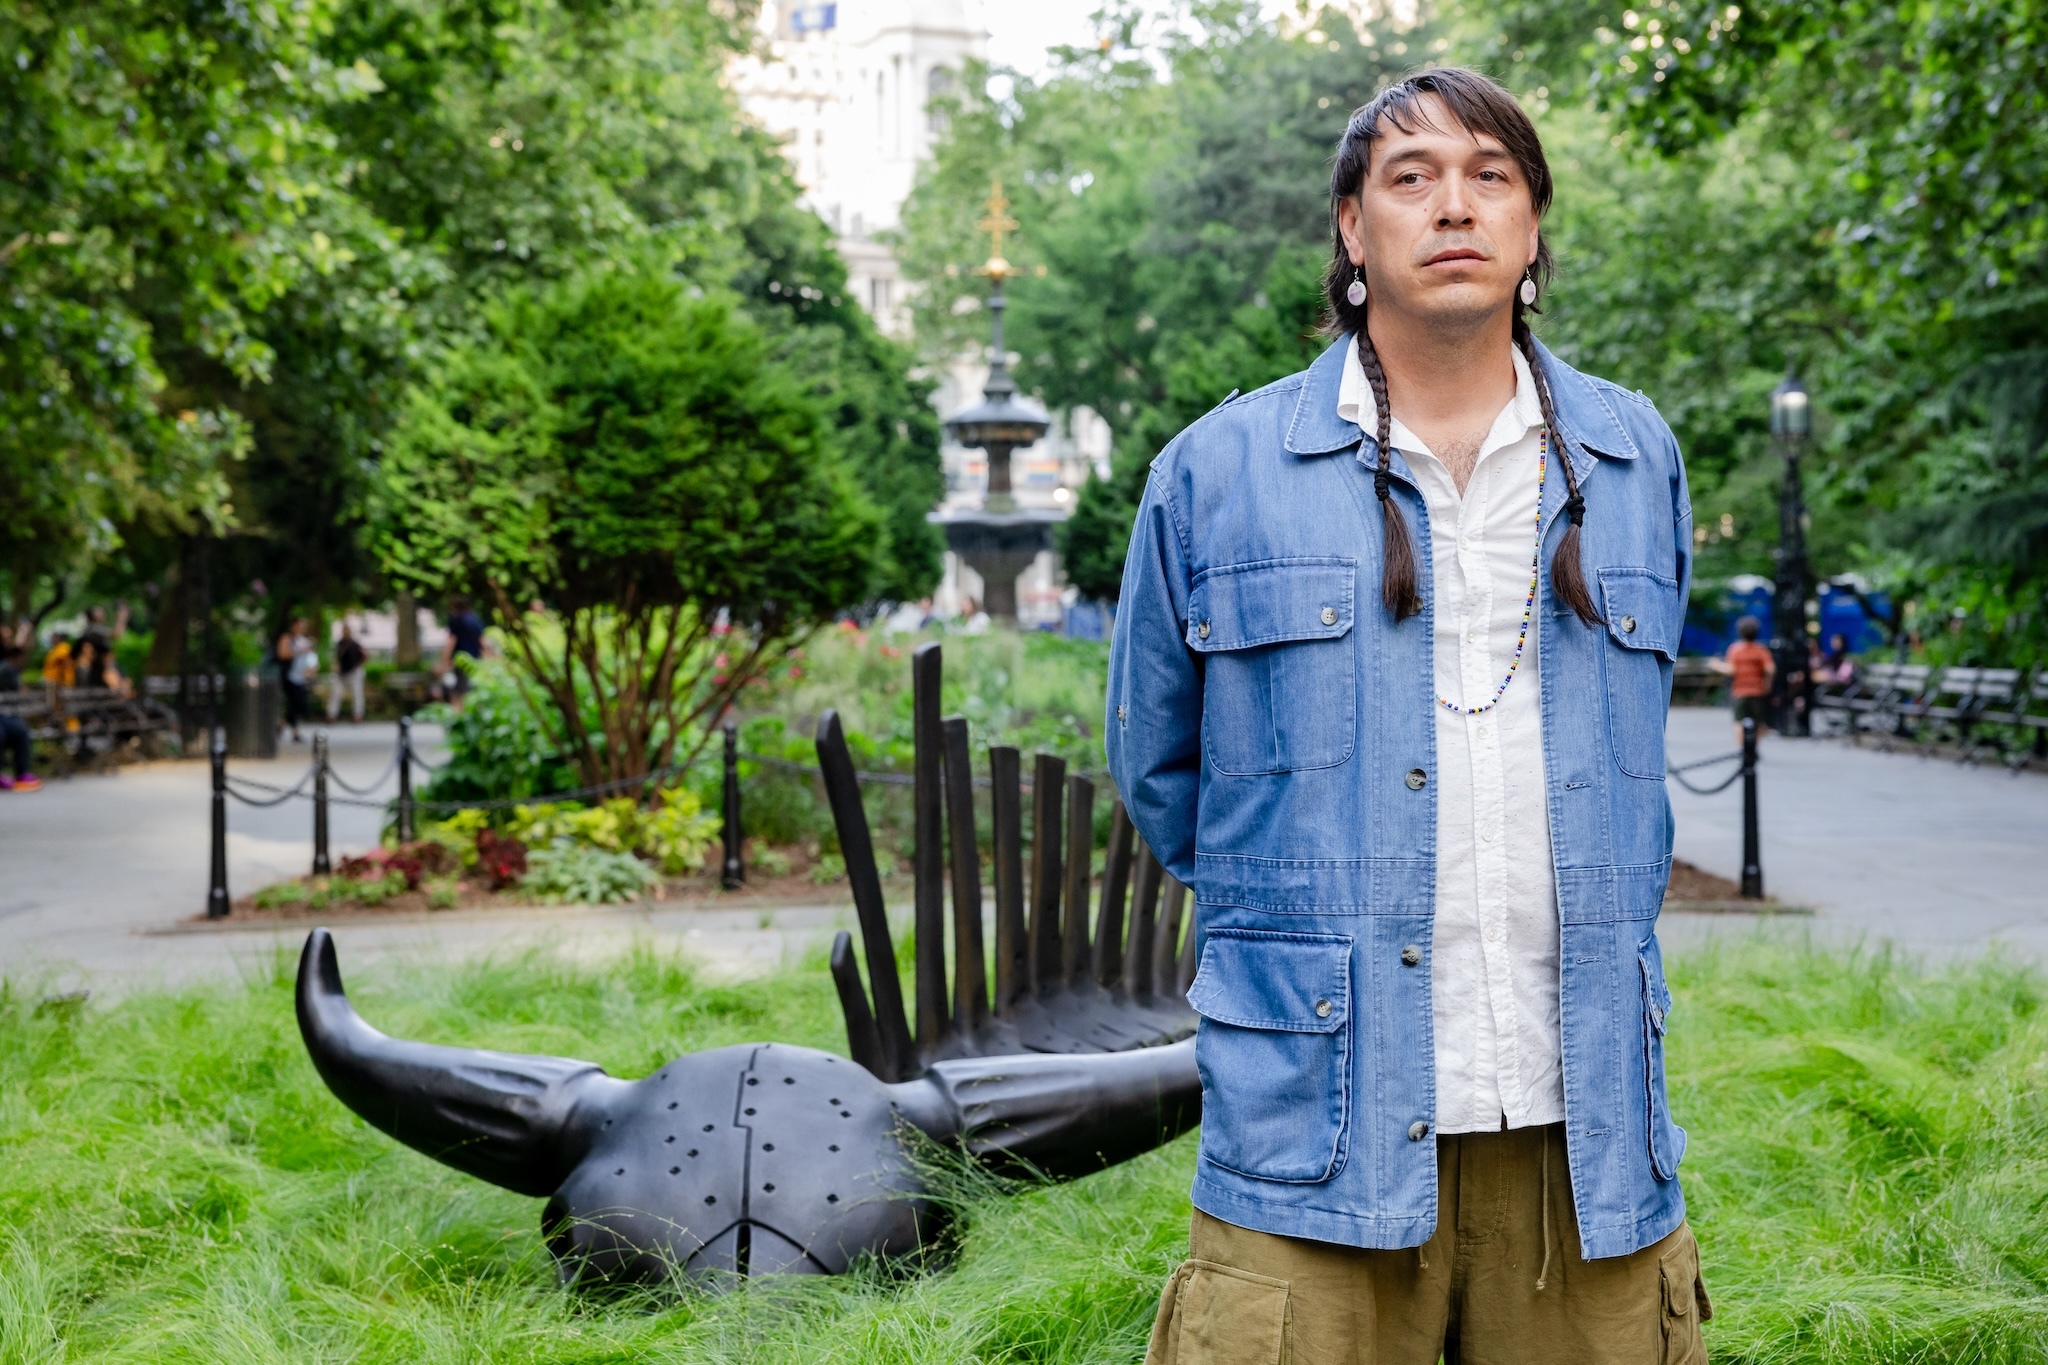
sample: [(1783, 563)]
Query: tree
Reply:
[(1890, 235), (655, 507), (157, 165), (1175, 199)]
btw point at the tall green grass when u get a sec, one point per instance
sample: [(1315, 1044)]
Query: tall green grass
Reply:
[(1867, 1174)]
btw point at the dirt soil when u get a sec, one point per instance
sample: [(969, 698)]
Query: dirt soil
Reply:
[(1689, 883)]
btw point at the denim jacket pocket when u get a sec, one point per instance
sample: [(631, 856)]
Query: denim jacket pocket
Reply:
[(1667, 1139), (1643, 621), (1275, 1052), (1281, 673)]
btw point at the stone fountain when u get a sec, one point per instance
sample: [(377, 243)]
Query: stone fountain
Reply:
[(1001, 540)]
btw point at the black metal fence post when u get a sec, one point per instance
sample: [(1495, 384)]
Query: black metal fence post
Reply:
[(217, 877), (733, 875), (405, 779), (321, 864), (1752, 857)]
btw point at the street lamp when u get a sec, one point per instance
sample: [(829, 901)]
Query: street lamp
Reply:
[(1792, 688)]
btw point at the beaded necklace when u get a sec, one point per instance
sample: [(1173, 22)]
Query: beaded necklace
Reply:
[(1529, 605)]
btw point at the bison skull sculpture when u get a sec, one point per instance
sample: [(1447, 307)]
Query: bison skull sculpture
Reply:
[(765, 1157)]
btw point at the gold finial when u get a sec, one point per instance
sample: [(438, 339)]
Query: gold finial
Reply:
[(995, 225)]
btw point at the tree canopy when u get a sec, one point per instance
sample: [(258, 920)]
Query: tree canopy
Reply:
[(246, 232), (1852, 191), (653, 507)]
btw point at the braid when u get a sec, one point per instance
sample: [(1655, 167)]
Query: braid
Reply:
[(1567, 573), (1397, 569)]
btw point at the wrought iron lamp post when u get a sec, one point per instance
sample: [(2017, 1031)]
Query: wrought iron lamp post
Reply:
[(1792, 687)]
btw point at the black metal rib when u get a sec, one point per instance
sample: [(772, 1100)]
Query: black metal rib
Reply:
[(863, 1041), (1144, 910), (1074, 946), (1006, 805), (1166, 943), (1048, 774), (842, 791), (970, 963), (1108, 954), (928, 860)]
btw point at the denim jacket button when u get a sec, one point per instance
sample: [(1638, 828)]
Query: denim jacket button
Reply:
[(1416, 777), (1417, 1131), (1628, 625), (1322, 1009), (1411, 956), (1203, 630), (1329, 616)]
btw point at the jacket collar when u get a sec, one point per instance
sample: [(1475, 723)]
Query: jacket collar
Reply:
[(1587, 425)]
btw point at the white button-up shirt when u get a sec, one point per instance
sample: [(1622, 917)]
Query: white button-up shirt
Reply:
[(1494, 966)]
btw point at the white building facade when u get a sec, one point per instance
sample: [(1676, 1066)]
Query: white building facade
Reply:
[(847, 85)]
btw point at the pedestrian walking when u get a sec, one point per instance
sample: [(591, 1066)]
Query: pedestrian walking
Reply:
[(1750, 668), (349, 663), (298, 662), (1388, 690), (465, 638)]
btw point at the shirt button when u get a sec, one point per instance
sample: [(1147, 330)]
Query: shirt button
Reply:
[(1411, 956), (1417, 1131), (1487, 835), (1472, 636), (1416, 777), (1322, 1009), (1628, 625), (1120, 715), (1329, 616), (1493, 933), (1203, 630)]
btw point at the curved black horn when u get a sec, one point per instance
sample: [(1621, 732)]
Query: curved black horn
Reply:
[(1059, 1115), (516, 1121)]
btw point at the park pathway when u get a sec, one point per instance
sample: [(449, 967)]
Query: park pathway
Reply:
[(1936, 857), (100, 875)]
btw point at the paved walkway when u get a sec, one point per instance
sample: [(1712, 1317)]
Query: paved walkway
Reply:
[(1935, 857), (99, 874)]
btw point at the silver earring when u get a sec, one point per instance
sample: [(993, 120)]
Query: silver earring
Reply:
[(1356, 293), (1528, 290)]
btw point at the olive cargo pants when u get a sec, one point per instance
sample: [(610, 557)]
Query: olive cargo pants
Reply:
[(1499, 1283)]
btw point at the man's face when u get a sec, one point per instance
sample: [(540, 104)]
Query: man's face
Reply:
[(1444, 224)]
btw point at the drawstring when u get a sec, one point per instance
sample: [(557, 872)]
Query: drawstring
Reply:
[(1544, 1274)]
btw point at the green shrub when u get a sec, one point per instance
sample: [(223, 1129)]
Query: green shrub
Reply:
[(497, 747), (567, 873)]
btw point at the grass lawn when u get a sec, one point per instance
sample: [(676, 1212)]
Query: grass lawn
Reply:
[(1868, 1172)]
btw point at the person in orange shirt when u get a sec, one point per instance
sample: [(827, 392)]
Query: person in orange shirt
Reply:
[(1751, 666), (58, 665)]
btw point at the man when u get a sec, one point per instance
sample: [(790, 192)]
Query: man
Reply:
[(1388, 691), (465, 637), (349, 660)]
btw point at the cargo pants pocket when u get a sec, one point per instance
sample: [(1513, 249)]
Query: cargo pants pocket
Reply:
[(1216, 1314), (1685, 1304)]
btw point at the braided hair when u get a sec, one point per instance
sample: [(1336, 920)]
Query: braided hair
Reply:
[(1480, 105)]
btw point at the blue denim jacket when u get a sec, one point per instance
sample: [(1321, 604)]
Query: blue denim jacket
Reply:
[(1271, 732)]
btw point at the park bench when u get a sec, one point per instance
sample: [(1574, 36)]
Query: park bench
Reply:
[(1892, 702), (89, 721), (1983, 697), (1695, 683)]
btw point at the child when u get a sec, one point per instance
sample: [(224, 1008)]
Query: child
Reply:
[(1751, 666)]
